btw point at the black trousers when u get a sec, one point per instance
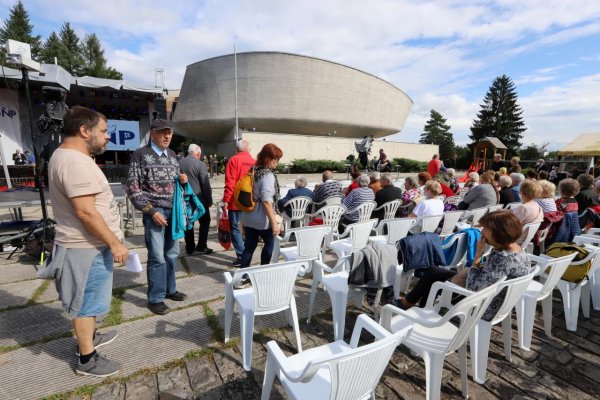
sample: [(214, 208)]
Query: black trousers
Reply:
[(204, 221), (421, 290)]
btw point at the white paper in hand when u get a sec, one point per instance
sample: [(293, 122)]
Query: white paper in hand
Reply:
[(133, 263)]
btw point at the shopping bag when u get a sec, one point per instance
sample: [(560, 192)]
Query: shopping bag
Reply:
[(224, 230)]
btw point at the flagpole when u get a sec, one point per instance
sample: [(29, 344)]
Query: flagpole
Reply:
[(236, 133)]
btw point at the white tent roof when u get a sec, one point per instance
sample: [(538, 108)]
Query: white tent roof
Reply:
[(52, 73), (586, 144)]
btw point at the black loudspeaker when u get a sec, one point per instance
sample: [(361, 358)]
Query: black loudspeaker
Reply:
[(160, 106)]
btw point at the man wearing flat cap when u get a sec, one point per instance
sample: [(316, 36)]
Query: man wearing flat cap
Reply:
[(150, 188)]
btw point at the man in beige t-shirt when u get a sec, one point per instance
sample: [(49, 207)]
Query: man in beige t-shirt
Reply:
[(88, 238)]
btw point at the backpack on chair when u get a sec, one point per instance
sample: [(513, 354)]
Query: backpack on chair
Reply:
[(243, 193), (574, 273)]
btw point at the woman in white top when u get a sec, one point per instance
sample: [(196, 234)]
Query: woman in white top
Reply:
[(430, 205)]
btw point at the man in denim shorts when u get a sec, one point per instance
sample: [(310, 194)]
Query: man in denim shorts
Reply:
[(88, 238)]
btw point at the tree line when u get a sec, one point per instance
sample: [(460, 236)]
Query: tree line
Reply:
[(500, 116), (80, 57)]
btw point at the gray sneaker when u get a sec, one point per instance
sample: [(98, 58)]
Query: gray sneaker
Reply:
[(98, 366), (101, 339)]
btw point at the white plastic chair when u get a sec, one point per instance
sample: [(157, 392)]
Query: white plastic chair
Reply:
[(592, 238), (428, 223), (309, 244), (453, 200), (538, 291), (335, 282), (397, 228), (475, 215), (389, 209), (480, 336), (403, 278), (462, 192), (531, 230), (451, 218), (433, 336), (297, 207), (272, 291), (363, 211), (330, 214), (513, 205), (355, 237), (330, 371), (495, 207), (328, 201), (575, 293)]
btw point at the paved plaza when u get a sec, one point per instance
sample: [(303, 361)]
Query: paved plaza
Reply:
[(182, 355)]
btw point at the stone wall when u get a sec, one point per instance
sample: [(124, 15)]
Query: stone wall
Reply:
[(334, 148)]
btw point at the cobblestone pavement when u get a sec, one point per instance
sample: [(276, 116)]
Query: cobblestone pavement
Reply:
[(181, 355)]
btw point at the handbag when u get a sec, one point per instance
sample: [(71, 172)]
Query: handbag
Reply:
[(224, 230)]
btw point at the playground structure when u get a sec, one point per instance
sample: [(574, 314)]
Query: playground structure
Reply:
[(483, 155)]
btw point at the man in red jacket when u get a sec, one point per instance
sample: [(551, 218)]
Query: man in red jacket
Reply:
[(237, 166)]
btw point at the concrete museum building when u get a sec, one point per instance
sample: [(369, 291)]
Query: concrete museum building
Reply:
[(311, 108)]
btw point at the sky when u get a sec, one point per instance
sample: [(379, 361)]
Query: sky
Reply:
[(443, 54)]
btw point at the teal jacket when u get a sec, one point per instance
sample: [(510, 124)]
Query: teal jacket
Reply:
[(187, 209)]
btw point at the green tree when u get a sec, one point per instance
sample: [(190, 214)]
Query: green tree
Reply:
[(500, 115), (531, 152), (52, 48), (436, 131), (17, 27), (71, 55), (94, 61)]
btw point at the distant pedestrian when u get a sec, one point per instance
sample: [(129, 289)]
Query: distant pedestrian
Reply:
[(215, 164), (237, 167), (197, 173)]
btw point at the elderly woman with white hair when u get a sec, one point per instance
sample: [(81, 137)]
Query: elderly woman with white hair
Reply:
[(506, 194), (546, 199), (452, 180), (300, 189), (517, 179), (473, 180)]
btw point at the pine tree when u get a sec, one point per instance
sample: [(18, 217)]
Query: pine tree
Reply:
[(94, 61), (52, 48), (500, 115), (70, 57), (17, 27), (436, 131)]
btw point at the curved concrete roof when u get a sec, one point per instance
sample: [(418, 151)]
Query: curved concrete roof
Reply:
[(287, 93)]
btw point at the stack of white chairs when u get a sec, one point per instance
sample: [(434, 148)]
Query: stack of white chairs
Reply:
[(272, 291)]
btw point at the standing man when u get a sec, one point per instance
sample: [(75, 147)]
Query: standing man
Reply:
[(498, 163), (388, 193), (150, 188), (237, 166), (18, 157), (197, 173), (434, 165), (88, 237), (451, 162), (215, 164)]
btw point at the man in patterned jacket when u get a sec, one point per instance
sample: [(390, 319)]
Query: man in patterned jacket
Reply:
[(150, 188)]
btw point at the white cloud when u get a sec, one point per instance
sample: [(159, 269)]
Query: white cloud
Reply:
[(441, 53)]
